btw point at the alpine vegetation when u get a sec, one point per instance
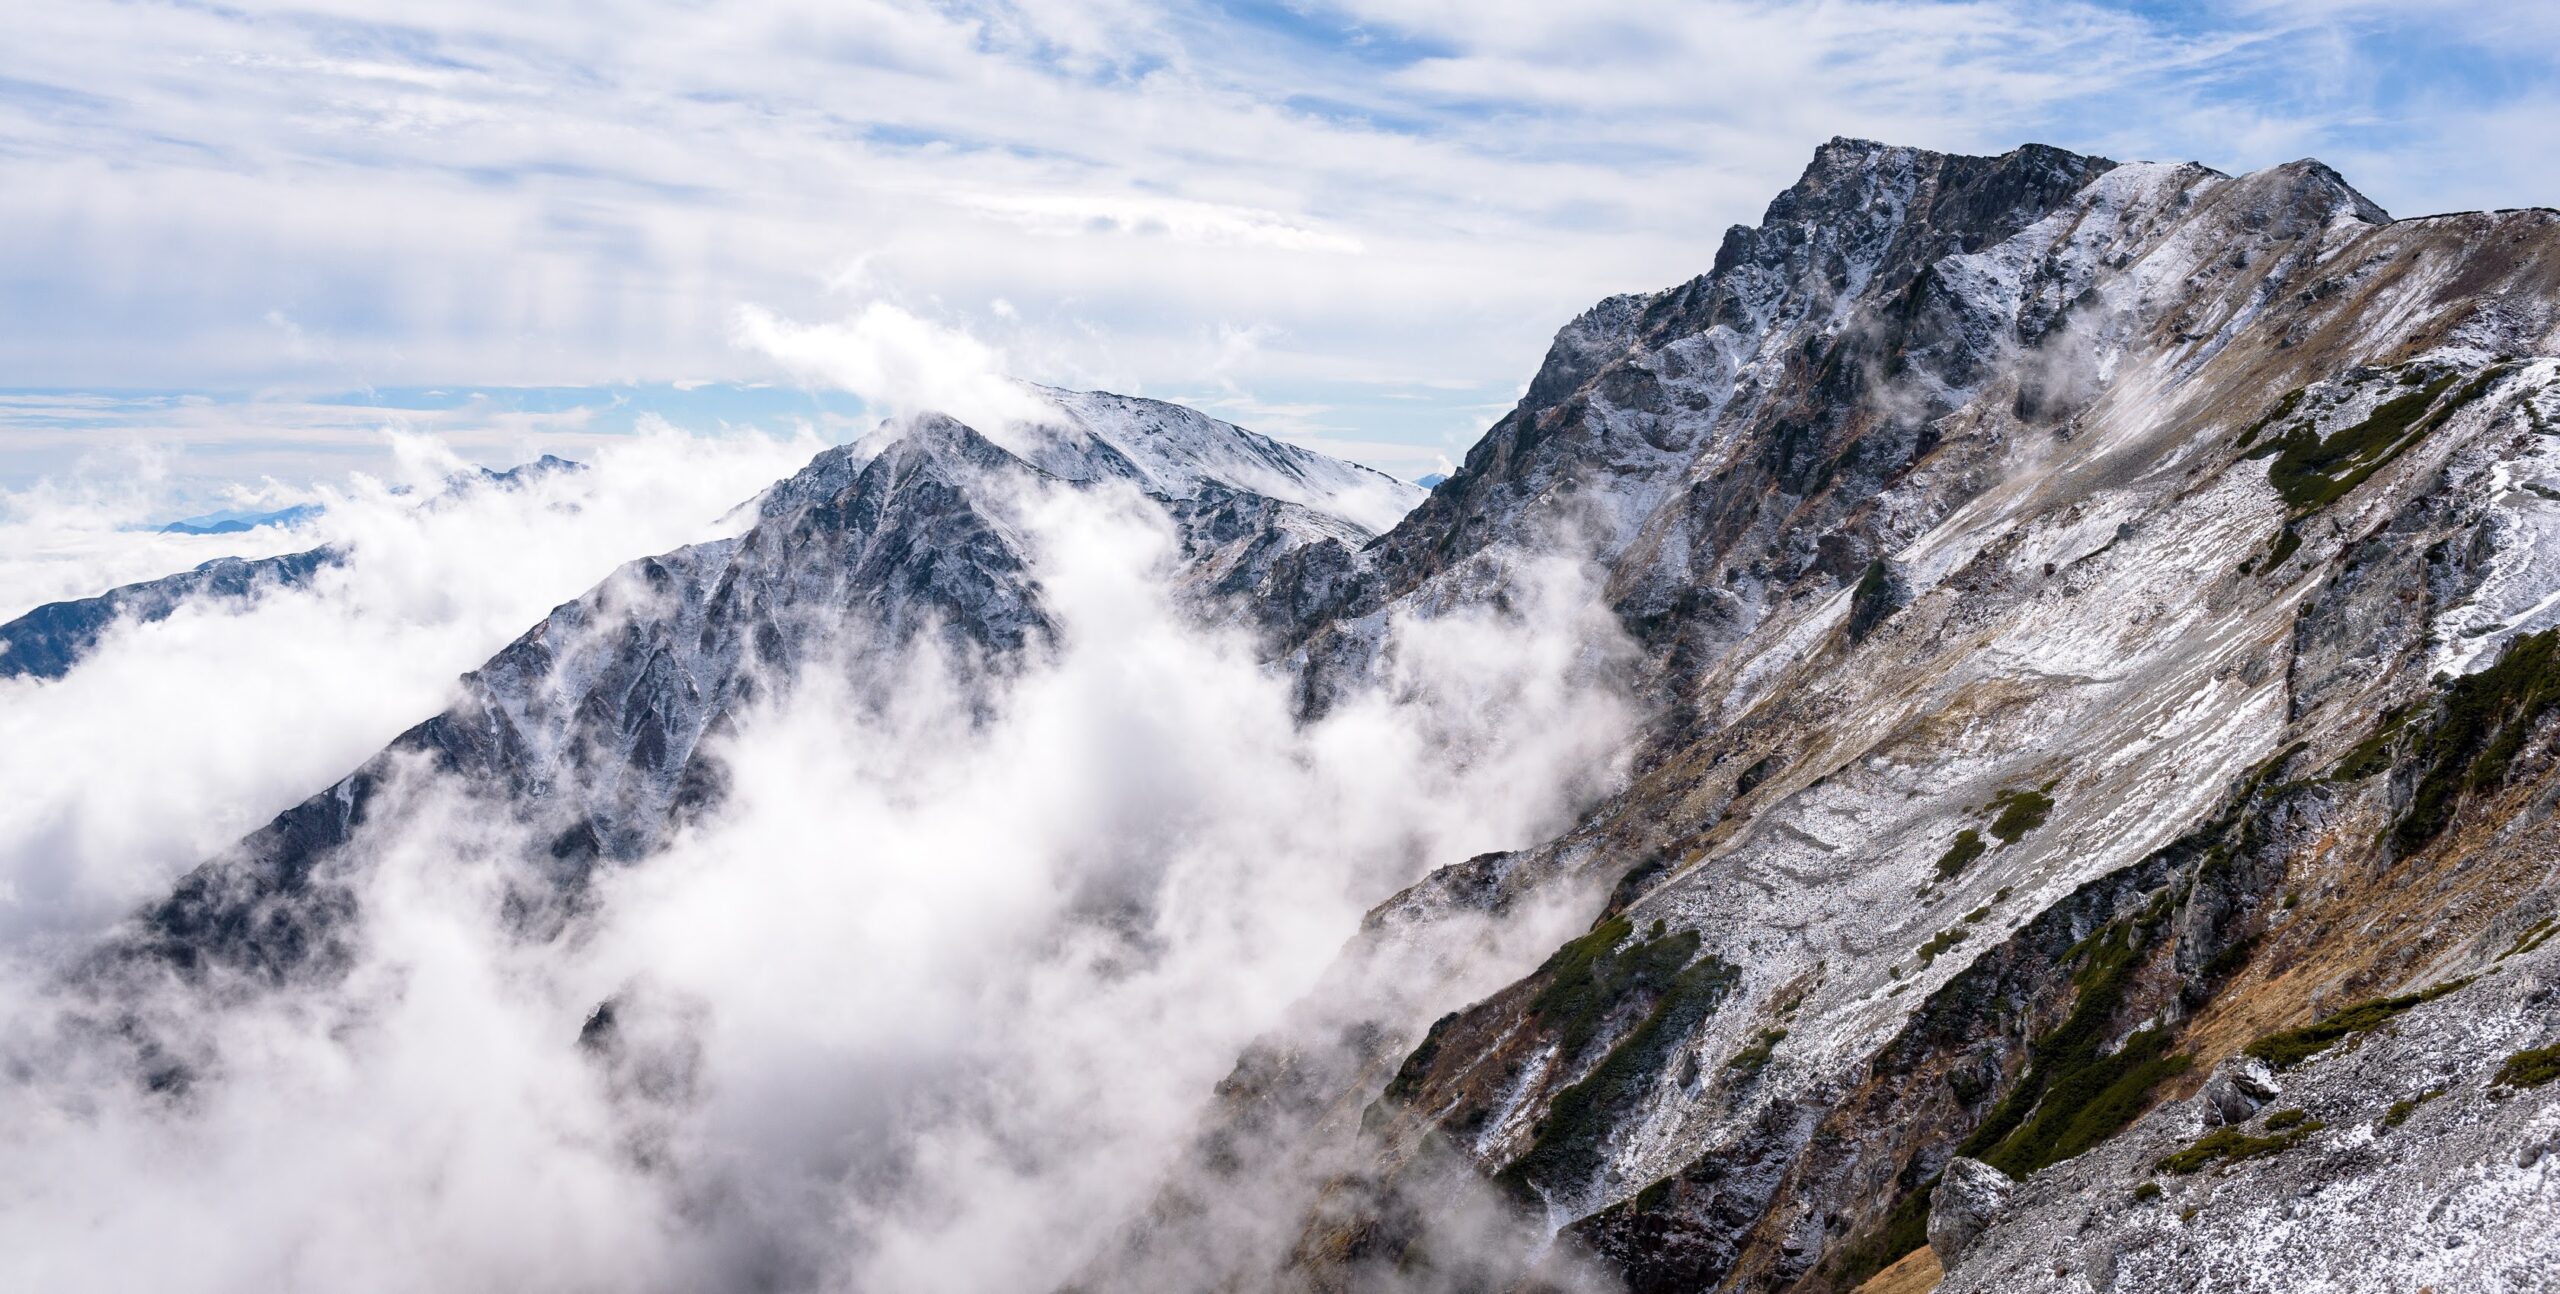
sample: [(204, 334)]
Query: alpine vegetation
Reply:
[(2001, 737)]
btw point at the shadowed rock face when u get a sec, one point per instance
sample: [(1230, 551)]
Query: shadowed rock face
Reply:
[(2103, 621)]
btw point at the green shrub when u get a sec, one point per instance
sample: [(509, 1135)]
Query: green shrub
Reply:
[(1566, 1146), (2231, 958), (2283, 410), (2283, 1119), (2485, 720), (2530, 1068), (1874, 598), (1903, 1230), (2401, 1110), (2147, 1192), (2287, 1048), (2287, 541), (1754, 1058), (1652, 1196), (1417, 1066), (2310, 473), (2020, 813), (1590, 976), (2074, 1095), (1967, 847), (2373, 754), (2231, 1145), (2536, 935)]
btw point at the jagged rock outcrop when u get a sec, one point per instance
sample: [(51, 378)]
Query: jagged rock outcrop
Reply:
[(1968, 1198)]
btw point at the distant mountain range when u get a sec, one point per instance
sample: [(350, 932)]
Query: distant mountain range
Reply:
[(236, 522), (47, 641)]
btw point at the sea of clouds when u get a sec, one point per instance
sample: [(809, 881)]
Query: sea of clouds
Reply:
[(935, 998)]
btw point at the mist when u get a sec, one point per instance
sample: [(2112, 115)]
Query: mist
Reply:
[(932, 1000), (173, 738)]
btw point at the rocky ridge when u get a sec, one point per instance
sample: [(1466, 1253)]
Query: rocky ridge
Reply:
[(47, 641), (2023, 582)]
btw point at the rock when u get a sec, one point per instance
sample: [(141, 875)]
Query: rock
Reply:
[(2238, 1090), (1970, 1195)]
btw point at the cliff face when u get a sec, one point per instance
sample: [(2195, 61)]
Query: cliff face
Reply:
[(2099, 622), (2065, 585)]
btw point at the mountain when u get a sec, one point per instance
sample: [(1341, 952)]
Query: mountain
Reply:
[(2098, 621), (240, 523), (48, 641), (591, 724), (2092, 829), (521, 474), (236, 522)]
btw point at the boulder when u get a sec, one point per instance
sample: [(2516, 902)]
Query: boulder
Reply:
[(1970, 1194), (2238, 1090)]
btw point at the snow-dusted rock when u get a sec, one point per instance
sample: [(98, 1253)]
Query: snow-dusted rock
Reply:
[(1968, 1198), (2239, 1088), (591, 725)]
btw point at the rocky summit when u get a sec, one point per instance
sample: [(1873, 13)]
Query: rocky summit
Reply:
[(2098, 627)]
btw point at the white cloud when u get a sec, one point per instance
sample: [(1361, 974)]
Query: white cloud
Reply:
[(932, 1003), (506, 194), (898, 364), (174, 738), (1067, 214)]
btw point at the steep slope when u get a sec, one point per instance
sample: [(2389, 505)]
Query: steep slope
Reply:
[(590, 726), (1720, 444), (2021, 580)]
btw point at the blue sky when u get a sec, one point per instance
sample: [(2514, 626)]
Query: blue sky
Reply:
[(241, 240)]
